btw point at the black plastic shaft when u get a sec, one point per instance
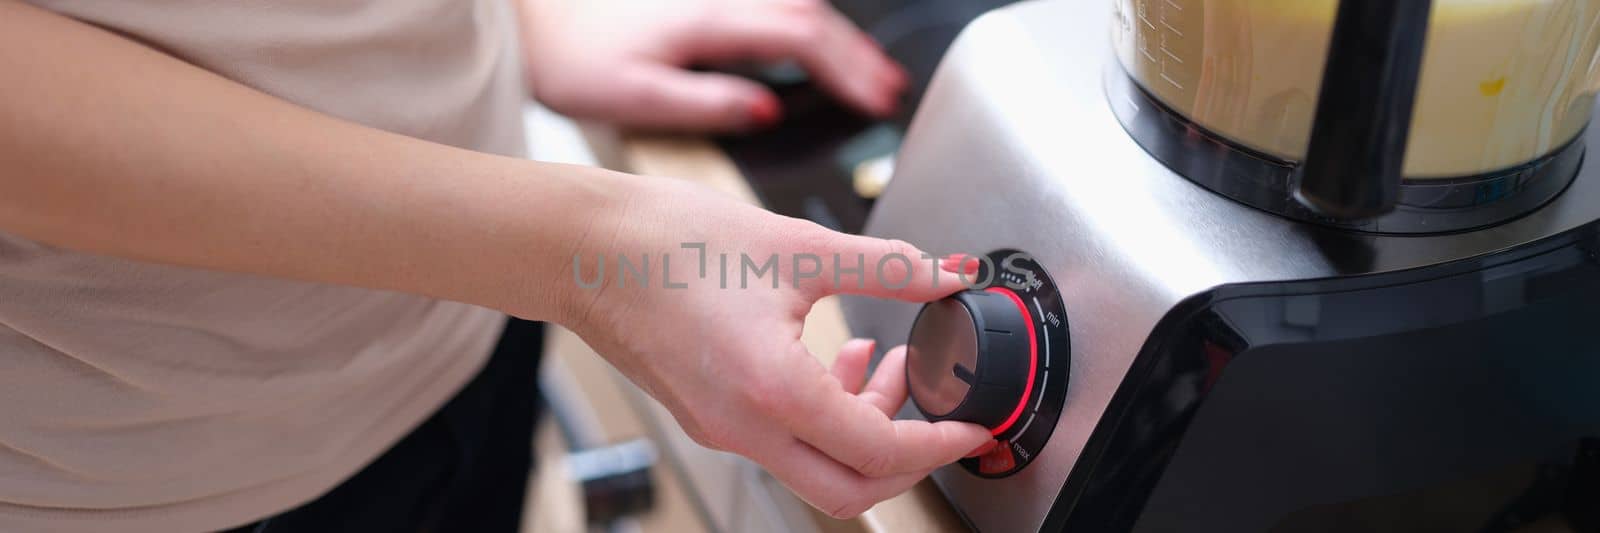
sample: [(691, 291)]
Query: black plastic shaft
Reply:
[(1353, 164)]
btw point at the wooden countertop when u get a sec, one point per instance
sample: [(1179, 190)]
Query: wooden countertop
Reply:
[(923, 509)]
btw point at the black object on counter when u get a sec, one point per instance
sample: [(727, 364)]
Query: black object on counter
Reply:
[(615, 479), (802, 168)]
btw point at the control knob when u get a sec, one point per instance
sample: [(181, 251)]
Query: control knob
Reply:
[(973, 357)]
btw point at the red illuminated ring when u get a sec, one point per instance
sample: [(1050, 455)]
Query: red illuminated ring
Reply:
[(1033, 359)]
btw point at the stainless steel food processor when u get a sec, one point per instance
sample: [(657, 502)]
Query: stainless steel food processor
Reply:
[(1252, 265)]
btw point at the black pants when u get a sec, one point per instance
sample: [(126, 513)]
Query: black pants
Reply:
[(464, 469)]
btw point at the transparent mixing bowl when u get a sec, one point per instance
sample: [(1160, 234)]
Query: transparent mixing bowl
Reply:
[(1503, 82)]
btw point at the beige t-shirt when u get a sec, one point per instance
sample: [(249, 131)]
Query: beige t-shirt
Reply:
[(141, 397)]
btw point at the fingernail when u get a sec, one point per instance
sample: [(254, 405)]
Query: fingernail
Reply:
[(959, 264), (893, 105), (900, 77), (765, 111), (985, 448)]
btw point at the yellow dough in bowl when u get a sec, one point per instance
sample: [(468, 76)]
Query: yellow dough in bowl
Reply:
[(1503, 81)]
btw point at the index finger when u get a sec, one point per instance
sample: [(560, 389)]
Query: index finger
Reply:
[(888, 268)]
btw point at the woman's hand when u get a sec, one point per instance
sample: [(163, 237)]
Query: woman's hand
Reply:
[(723, 352), (166, 174), (624, 61)]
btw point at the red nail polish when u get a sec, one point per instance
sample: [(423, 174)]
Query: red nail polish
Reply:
[(891, 105), (900, 77), (766, 111), (952, 263), (959, 264)]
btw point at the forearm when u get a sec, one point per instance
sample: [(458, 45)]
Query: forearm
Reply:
[(109, 147)]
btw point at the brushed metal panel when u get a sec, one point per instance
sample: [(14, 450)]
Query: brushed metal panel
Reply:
[(1015, 146)]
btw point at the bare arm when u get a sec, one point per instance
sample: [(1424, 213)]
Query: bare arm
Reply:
[(110, 147)]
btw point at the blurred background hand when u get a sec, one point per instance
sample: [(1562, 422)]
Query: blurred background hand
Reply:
[(628, 62)]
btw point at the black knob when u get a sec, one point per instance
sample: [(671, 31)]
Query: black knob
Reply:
[(971, 358)]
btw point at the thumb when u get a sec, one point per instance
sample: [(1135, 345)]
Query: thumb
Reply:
[(892, 269), (665, 97)]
